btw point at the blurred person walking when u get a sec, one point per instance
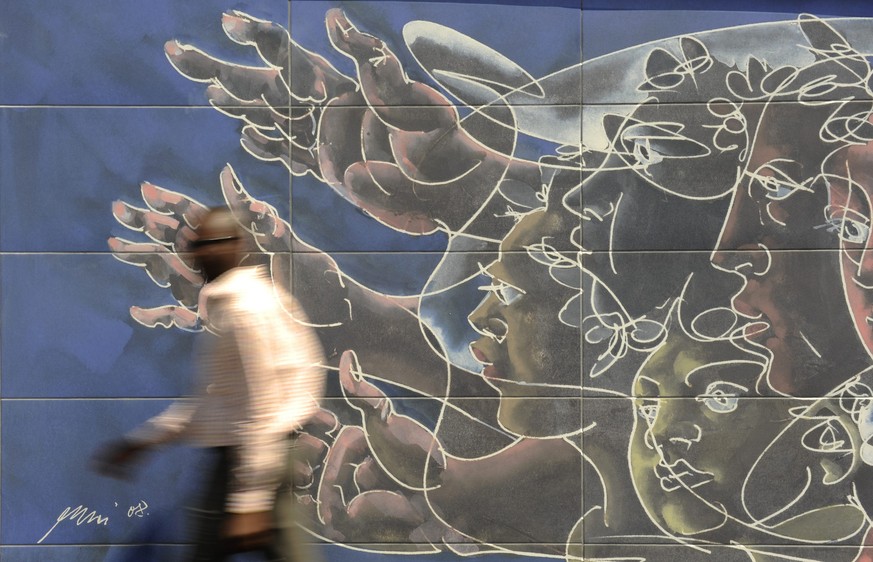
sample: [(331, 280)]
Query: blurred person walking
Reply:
[(260, 377)]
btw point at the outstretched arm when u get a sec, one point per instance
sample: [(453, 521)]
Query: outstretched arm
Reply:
[(396, 148), (346, 314)]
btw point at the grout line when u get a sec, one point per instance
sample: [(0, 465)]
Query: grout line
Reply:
[(582, 104), (207, 105), (703, 250)]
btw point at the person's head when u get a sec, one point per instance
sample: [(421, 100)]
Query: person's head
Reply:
[(714, 453), (776, 235), (654, 192), (217, 247), (848, 174), (528, 322)]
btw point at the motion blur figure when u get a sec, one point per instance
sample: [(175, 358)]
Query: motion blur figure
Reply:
[(260, 378)]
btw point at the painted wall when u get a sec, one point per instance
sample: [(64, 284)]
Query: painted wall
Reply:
[(594, 283)]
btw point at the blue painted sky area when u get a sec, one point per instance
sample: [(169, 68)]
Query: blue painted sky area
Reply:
[(817, 7), (47, 447), (107, 52), (67, 332), (61, 169)]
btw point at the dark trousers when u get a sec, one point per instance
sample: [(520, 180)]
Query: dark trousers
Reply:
[(289, 541)]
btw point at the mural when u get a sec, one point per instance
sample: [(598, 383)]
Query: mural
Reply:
[(615, 306)]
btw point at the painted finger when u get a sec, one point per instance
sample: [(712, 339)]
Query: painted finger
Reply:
[(266, 148), (167, 317), (243, 82), (388, 515), (345, 37), (163, 229), (165, 268), (406, 449), (370, 476), (310, 448), (384, 505), (270, 39), (323, 422), (337, 478), (400, 102), (315, 80), (308, 458), (271, 232), (161, 264), (256, 113), (359, 393), (168, 202)]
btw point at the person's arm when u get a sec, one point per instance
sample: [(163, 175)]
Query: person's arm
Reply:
[(118, 458), (166, 427)]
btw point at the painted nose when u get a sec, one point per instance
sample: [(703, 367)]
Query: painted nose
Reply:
[(675, 439), (486, 320), (747, 260)]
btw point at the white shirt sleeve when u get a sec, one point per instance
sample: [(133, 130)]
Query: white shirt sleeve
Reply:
[(170, 425)]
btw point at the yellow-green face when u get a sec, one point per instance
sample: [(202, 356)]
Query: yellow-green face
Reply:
[(712, 451), (530, 355)]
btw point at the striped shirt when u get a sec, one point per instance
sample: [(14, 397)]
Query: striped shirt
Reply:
[(261, 374)]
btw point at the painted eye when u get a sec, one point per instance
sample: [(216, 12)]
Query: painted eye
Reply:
[(777, 179), (508, 294), (853, 232), (775, 188), (722, 397), (848, 224)]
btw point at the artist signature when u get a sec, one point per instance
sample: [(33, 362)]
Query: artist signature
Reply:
[(83, 516)]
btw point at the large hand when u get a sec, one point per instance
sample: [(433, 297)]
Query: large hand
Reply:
[(417, 165), (169, 220), (392, 146), (279, 113), (389, 481), (372, 482)]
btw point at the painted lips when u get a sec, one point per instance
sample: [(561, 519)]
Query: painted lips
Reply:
[(759, 329), (681, 474), (489, 371)]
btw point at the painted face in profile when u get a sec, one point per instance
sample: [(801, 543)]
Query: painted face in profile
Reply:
[(715, 455), (529, 344), (778, 238), (653, 196)]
